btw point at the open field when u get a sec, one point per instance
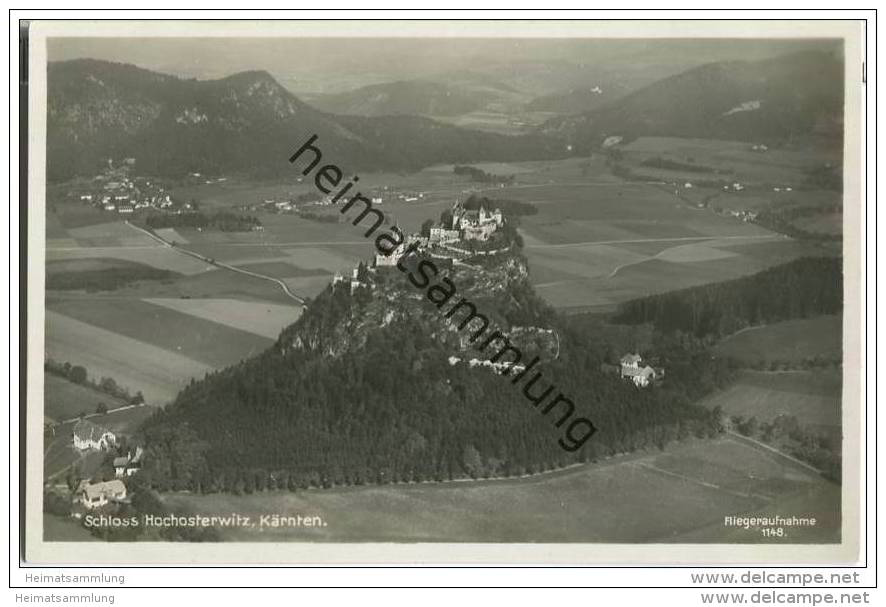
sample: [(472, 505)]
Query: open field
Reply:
[(216, 345), (110, 234), (159, 374), (790, 340), (650, 497), (813, 397), (596, 240), (281, 268), (63, 399), (64, 529), (783, 165), (604, 280), (264, 319), (89, 264), (154, 255), (216, 283), (825, 223)]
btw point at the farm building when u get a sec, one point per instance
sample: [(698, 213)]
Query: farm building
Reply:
[(631, 369), (87, 435), (630, 361), (128, 464), (96, 495), (641, 377)]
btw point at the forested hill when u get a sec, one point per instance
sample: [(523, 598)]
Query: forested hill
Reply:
[(785, 98), (245, 123), (805, 287), (361, 390)]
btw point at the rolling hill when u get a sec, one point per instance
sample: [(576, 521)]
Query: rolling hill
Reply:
[(410, 97), (576, 101), (773, 100), (245, 123)]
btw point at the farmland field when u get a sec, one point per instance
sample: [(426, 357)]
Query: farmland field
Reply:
[(596, 240), (790, 340), (784, 165), (66, 400), (813, 397), (263, 319), (647, 497), (159, 374), (216, 283), (155, 255), (201, 340)]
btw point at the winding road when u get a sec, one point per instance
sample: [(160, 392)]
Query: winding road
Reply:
[(220, 264)]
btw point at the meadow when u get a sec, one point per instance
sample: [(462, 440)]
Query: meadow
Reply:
[(596, 241), (66, 400), (813, 397), (790, 341), (736, 160), (158, 373), (644, 497), (210, 343), (262, 319)]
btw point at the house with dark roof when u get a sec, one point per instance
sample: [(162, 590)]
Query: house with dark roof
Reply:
[(96, 495), (128, 464)]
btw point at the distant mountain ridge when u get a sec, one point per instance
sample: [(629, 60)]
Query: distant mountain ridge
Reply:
[(575, 101), (410, 97), (796, 95), (246, 122)]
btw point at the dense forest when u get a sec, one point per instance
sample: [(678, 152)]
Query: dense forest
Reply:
[(481, 176), (783, 220), (805, 287), (360, 390), (389, 407)]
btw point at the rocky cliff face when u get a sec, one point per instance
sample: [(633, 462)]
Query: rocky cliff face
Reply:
[(345, 316)]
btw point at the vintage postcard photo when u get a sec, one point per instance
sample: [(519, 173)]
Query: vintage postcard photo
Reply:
[(445, 292)]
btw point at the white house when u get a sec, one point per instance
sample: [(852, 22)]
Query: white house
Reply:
[(96, 495), (640, 377), (90, 436), (631, 369)]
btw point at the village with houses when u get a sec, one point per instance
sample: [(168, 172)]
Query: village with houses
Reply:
[(114, 461), (116, 190)]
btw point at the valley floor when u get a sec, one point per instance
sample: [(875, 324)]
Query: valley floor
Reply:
[(681, 494)]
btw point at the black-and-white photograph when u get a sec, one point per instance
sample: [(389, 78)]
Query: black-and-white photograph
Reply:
[(445, 288)]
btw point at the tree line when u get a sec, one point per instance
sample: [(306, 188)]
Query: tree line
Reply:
[(79, 375), (805, 287), (223, 221)]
